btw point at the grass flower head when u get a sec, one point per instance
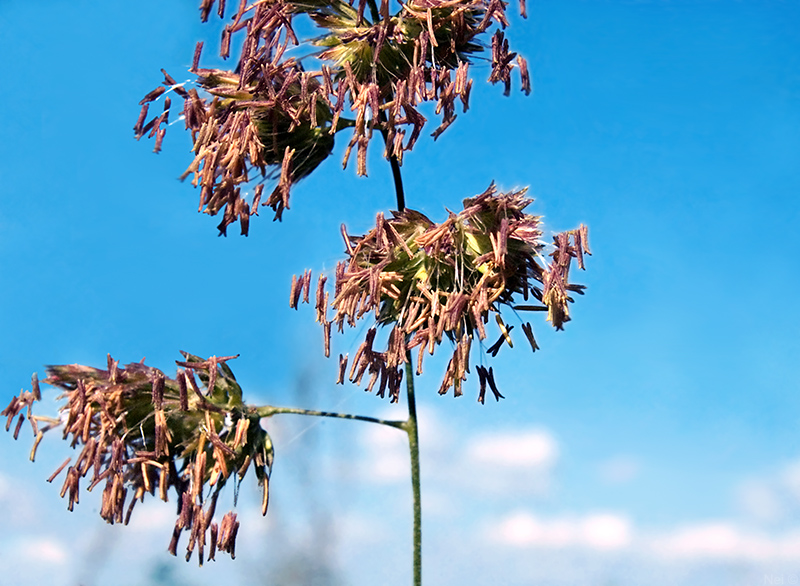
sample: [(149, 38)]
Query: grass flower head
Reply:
[(141, 433), (429, 281)]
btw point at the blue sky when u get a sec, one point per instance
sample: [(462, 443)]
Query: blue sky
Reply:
[(654, 441)]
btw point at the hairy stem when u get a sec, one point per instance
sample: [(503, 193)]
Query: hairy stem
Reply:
[(398, 179), (398, 183), (269, 411), (410, 425), (395, 164), (412, 429), (373, 8)]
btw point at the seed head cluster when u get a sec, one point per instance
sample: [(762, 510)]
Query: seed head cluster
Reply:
[(272, 118), (428, 281), (141, 433)]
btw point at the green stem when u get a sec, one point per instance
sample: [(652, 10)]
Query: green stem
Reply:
[(398, 181), (410, 425), (269, 411), (412, 429), (395, 164), (373, 8), (343, 123)]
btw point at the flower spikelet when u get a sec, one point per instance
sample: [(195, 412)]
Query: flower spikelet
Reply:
[(428, 281), (141, 433)]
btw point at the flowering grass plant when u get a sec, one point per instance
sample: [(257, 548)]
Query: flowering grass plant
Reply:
[(271, 120)]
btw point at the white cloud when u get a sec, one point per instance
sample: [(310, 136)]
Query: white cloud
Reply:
[(440, 502), (771, 498), (357, 530), (391, 467), (709, 540), (153, 516), (41, 550), (518, 462), (619, 469), (17, 506), (382, 438), (760, 501), (790, 479), (726, 540), (597, 531), (4, 487), (606, 531), (522, 449), (701, 543), (386, 455)]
